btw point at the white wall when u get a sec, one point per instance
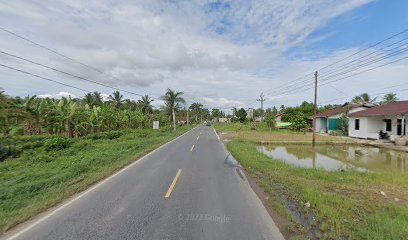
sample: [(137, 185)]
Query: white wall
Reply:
[(369, 127), (363, 127), (321, 124)]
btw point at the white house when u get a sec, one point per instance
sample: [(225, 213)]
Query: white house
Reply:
[(223, 120), (388, 118), (328, 120)]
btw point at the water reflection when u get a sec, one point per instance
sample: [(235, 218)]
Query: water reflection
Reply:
[(339, 157)]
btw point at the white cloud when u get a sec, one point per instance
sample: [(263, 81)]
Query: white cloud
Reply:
[(222, 103), (223, 55), (58, 95)]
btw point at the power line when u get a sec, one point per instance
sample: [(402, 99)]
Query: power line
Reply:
[(51, 50), (37, 76), (362, 65), (341, 67), (345, 58), (58, 53), (365, 64), (329, 80), (67, 73), (367, 70), (371, 46)]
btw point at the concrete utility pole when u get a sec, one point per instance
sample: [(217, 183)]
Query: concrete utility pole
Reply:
[(314, 112), (261, 99), (187, 118)]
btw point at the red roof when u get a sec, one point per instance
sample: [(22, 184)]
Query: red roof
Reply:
[(391, 109), (280, 114), (342, 109), (331, 112)]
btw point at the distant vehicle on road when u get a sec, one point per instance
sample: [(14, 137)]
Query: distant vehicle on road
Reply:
[(208, 123)]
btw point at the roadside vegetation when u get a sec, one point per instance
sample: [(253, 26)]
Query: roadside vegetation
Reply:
[(47, 169), (53, 148), (317, 203)]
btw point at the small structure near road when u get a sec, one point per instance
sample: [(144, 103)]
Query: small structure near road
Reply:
[(279, 123), (223, 120)]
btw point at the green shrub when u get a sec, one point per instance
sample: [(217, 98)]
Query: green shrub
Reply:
[(56, 143), (32, 145), (107, 135), (8, 150), (17, 131)]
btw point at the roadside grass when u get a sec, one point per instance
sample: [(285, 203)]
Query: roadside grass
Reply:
[(261, 133), (343, 205), (38, 179)]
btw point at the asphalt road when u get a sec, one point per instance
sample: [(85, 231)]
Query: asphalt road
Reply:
[(208, 197)]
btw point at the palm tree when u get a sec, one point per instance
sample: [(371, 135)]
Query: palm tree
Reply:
[(364, 98), (173, 100), (97, 99), (89, 99), (390, 98), (117, 99), (146, 104), (196, 108)]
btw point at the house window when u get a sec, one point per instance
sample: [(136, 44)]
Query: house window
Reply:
[(357, 124), (388, 125)]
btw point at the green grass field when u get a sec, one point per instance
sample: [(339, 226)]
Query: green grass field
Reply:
[(343, 205), (261, 133), (38, 179)]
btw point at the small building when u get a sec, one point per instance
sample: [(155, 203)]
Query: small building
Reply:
[(182, 120), (329, 120), (388, 118), (278, 117), (279, 123), (223, 120)]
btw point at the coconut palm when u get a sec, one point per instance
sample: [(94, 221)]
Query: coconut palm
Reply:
[(173, 100), (196, 108), (89, 99), (146, 104), (97, 99), (117, 99), (390, 98), (364, 98)]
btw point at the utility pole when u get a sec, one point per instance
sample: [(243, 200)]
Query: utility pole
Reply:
[(261, 99), (314, 112), (187, 117)]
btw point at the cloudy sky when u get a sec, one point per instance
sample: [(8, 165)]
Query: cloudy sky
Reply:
[(220, 53)]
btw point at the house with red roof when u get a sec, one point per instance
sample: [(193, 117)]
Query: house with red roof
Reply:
[(329, 120), (389, 119)]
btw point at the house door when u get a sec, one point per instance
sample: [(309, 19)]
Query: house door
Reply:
[(399, 127)]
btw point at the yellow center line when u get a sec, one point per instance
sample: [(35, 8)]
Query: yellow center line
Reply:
[(173, 184), (192, 148)]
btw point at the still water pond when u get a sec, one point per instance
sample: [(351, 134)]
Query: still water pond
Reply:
[(339, 157)]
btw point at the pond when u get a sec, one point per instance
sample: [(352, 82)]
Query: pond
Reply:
[(339, 157)]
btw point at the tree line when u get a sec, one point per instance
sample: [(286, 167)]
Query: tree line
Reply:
[(75, 117)]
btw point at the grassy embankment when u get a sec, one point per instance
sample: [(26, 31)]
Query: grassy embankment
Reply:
[(343, 205), (261, 133), (38, 179)]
